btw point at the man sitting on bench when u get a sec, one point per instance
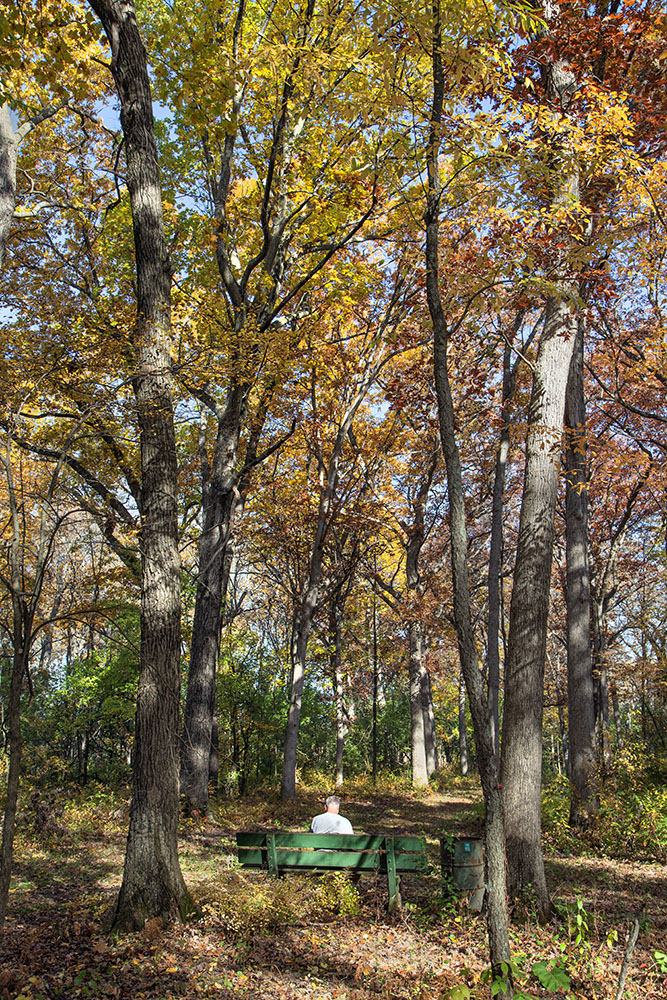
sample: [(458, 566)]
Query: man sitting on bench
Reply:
[(330, 821)]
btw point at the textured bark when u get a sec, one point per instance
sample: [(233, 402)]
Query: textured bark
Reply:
[(8, 159), (496, 910), (152, 884), (336, 665), (12, 723), (417, 651), (218, 495), (584, 801), (430, 735), (524, 671), (463, 735), (416, 535), (521, 767), (496, 542)]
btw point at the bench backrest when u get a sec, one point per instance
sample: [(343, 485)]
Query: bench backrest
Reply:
[(360, 852)]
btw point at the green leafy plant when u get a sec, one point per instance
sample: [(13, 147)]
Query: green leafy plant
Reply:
[(551, 974), (660, 959)]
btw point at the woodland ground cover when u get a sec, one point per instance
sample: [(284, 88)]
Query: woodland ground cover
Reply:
[(306, 937)]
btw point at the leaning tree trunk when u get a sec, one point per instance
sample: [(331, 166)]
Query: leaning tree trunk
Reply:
[(584, 800), (496, 910), (152, 885)]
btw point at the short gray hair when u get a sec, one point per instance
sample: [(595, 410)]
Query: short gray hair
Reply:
[(332, 800)]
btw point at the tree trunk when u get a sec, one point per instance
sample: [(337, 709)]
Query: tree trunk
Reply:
[(15, 740), (494, 582), (311, 592), (418, 742), (521, 767), (335, 638), (524, 672), (304, 627), (430, 735), (152, 885), (200, 698), (8, 159), (584, 801), (496, 910), (463, 734)]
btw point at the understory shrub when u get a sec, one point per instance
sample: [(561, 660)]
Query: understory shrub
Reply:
[(632, 822), (248, 904)]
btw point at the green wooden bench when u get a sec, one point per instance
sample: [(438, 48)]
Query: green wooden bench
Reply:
[(278, 853)]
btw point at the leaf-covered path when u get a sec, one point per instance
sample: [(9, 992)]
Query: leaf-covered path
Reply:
[(256, 942)]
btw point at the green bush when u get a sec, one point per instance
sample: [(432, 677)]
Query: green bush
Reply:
[(632, 822)]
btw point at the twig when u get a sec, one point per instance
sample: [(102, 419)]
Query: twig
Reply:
[(629, 948)]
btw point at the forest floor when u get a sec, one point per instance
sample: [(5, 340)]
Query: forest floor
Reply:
[(294, 937)]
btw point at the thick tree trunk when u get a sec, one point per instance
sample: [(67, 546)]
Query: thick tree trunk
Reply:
[(524, 672), (152, 885), (496, 910), (582, 770), (521, 767)]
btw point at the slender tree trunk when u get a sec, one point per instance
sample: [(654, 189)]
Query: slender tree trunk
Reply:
[(418, 742), (15, 740), (8, 160), (496, 911), (584, 802), (152, 884), (311, 593), (416, 534), (336, 662), (430, 735), (200, 698), (496, 543), (463, 733)]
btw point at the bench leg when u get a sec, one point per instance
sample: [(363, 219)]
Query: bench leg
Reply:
[(271, 856), (392, 878)]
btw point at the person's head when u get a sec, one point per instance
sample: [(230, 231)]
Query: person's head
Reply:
[(332, 803)]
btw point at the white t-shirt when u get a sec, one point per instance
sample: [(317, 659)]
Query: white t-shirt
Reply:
[(330, 823)]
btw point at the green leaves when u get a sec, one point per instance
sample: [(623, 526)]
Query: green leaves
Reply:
[(551, 975)]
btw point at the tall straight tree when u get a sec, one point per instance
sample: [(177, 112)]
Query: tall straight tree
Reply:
[(521, 765), (584, 800), (153, 885), (496, 912)]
